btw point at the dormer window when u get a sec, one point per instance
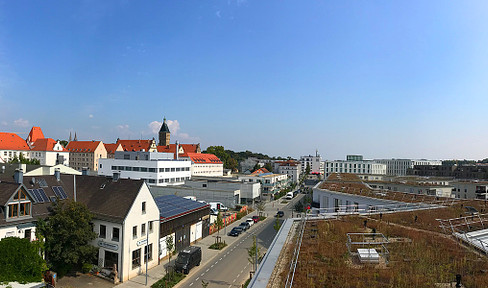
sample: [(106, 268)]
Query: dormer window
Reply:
[(19, 206)]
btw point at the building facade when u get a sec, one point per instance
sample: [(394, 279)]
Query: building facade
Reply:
[(153, 167), (399, 167), (86, 154), (205, 165), (354, 167), (314, 162)]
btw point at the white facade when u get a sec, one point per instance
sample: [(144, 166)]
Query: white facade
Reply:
[(7, 155), (315, 163), (292, 170), (270, 183), (51, 158), (128, 250), (156, 169), (399, 167), (207, 169), (354, 167), (470, 189)]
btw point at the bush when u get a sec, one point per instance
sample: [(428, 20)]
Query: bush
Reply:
[(218, 246), (20, 261), (169, 280), (86, 268)]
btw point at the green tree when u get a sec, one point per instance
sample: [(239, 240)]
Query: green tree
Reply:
[(63, 142), (268, 167), (260, 208), (277, 224), (256, 167), (219, 222), (307, 170), (254, 253), (20, 261), (170, 247), (67, 232)]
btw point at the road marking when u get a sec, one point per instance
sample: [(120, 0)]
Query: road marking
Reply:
[(207, 270), (220, 258), (234, 281), (212, 266), (202, 274), (197, 278), (217, 261), (191, 284)]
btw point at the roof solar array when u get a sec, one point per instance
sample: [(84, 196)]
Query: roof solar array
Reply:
[(59, 192), (171, 205), (39, 195), (42, 182)]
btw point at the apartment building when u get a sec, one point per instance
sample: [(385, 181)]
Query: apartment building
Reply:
[(354, 167), (205, 164), (86, 154), (314, 162), (399, 167)]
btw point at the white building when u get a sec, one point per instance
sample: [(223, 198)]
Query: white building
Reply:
[(11, 145), (315, 163), (399, 167), (354, 167), (49, 152), (470, 189), (290, 168), (205, 165), (154, 167), (270, 183)]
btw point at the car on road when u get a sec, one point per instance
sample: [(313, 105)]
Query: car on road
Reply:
[(244, 226), (280, 214), (235, 231), (250, 221), (188, 258), (255, 218)]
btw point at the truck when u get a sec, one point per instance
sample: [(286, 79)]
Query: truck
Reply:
[(218, 206)]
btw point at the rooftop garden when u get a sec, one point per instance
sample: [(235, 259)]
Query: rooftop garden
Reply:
[(417, 257)]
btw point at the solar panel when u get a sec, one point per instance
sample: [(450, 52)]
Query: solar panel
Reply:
[(35, 195), (62, 193), (42, 182), (43, 195)]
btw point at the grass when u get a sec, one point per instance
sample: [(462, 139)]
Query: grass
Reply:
[(169, 280)]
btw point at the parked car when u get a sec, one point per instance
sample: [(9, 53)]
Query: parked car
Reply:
[(280, 214), (245, 226), (188, 258), (289, 196), (255, 218), (235, 231), (250, 221)]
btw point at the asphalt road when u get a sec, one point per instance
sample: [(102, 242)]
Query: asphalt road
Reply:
[(231, 268)]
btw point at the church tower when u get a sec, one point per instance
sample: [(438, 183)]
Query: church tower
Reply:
[(164, 134)]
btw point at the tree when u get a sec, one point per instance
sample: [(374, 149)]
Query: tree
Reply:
[(170, 246), (67, 232), (219, 222), (260, 207), (256, 167), (277, 224), (254, 253), (63, 142), (268, 167), (20, 261), (307, 170)]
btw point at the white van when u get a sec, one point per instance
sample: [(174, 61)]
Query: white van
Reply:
[(289, 196), (218, 206)]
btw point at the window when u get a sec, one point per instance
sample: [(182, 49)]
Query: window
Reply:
[(166, 169), (115, 234), (143, 169), (13, 210), (173, 169), (114, 167), (150, 227), (144, 207), (143, 229), (134, 232), (135, 169), (136, 258), (100, 165), (152, 170), (126, 156), (103, 231), (148, 252)]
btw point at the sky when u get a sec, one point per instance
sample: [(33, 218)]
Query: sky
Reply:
[(383, 79)]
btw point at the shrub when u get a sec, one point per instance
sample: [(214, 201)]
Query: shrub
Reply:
[(169, 280), (20, 261), (218, 246)]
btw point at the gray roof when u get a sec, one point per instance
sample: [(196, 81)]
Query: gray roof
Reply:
[(164, 127)]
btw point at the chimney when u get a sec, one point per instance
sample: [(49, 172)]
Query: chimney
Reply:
[(116, 177), (84, 171), (177, 150), (57, 174), (19, 176)]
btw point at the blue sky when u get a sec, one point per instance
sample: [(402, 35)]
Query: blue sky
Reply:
[(385, 79)]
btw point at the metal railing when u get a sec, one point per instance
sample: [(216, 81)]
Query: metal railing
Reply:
[(296, 254)]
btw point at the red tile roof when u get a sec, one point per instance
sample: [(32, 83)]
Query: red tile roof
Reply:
[(83, 146), (135, 145), (288, 163), (12, 141), (260, 171), (111, 148), (202, 158), (45, 144), (34, 134), (187, 148)]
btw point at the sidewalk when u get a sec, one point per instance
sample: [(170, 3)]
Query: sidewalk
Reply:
[(208, 255)]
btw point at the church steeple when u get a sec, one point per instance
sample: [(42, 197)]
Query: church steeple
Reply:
[(164, 134)]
